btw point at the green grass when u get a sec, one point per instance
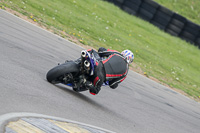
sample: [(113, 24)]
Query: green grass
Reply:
[(98, 23), (187, 8)]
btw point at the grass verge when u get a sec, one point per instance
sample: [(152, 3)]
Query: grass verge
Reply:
[(100, 24)]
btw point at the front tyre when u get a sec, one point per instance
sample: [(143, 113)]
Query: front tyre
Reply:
[(56, 74)]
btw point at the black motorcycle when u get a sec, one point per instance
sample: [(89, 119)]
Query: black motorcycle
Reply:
[(74, 73)]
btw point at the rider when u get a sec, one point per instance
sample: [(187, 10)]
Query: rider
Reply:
[(111, 66)]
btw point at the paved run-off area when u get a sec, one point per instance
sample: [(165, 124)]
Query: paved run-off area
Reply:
[(38, 123), (41, 125)]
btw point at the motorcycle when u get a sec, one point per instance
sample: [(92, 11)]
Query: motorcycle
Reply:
[(74, 73)]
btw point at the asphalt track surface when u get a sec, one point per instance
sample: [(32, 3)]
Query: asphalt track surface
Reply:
[(138, 105)]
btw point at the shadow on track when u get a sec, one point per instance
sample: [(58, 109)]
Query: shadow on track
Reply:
[(76, 94), (90, 101), (79, 95)]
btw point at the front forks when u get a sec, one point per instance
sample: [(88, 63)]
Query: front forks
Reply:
[(79, 85)]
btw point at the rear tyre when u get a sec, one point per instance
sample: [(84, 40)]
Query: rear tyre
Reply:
[(56, 74)]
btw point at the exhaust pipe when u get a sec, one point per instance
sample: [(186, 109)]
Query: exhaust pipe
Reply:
[(86, 64), (83, 53)]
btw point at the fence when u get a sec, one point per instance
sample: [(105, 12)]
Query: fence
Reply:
[(163, 18)]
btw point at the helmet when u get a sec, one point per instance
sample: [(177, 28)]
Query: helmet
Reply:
[(129, 55)]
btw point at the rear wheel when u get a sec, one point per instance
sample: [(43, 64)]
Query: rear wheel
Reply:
[(58, 73)]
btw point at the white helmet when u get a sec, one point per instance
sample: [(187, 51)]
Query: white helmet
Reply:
[(129, 55)]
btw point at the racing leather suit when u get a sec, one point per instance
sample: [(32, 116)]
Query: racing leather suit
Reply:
[(110, 66)]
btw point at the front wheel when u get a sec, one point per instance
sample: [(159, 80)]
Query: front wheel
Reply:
[(56, 74)]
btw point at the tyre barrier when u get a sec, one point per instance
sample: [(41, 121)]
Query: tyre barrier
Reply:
[(131, 6), (163, 18)]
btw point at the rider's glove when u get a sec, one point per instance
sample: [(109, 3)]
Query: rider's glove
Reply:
[(93, 90)]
